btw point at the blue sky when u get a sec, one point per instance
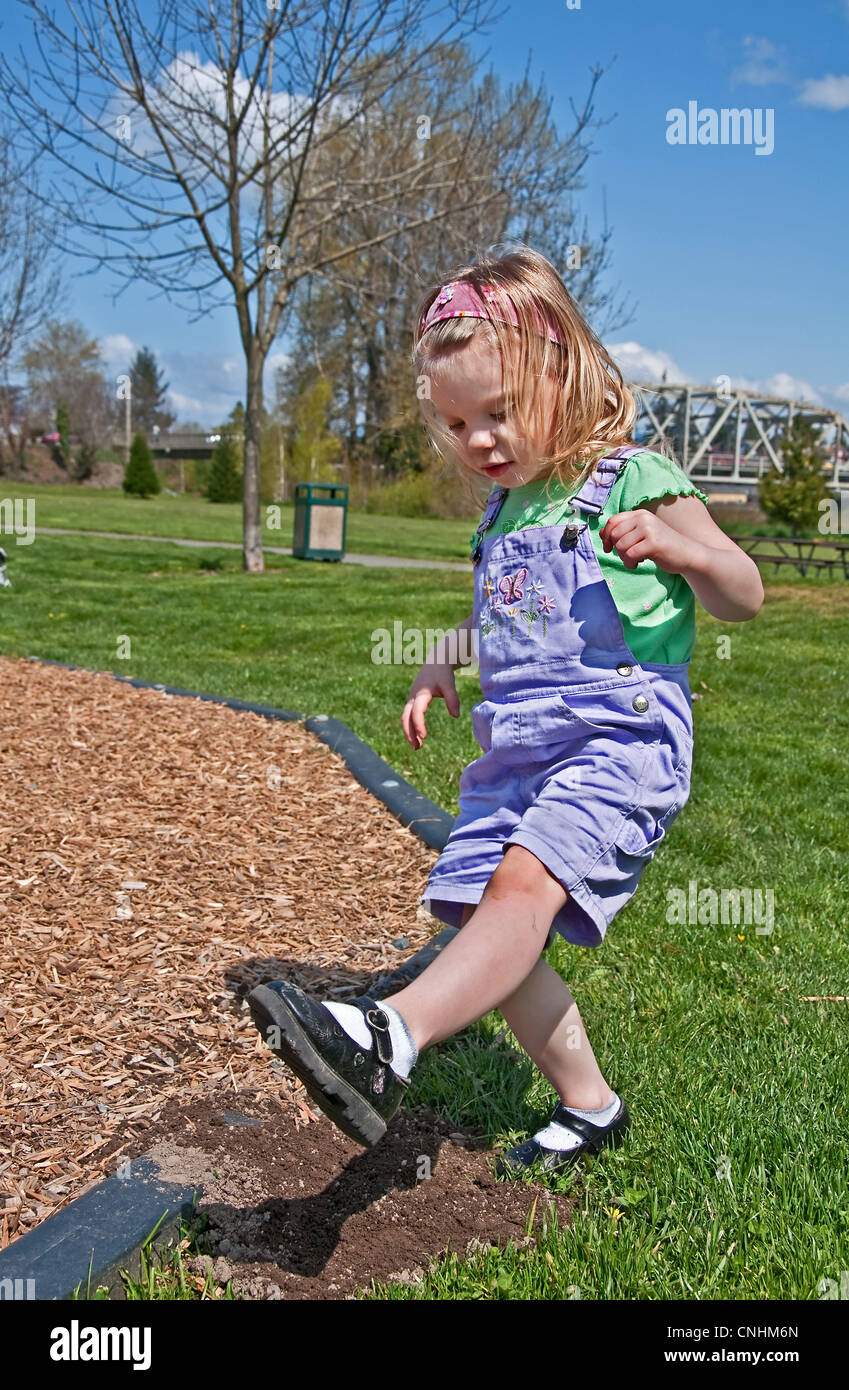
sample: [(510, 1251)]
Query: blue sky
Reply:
[(734, 262)]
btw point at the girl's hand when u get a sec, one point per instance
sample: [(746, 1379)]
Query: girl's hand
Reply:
[(432, 681), (640, 535)]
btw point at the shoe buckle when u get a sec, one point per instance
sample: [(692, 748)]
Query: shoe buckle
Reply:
[(380, 1032)]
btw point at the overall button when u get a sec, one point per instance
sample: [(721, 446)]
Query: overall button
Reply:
[(625, 670), (641, 704)]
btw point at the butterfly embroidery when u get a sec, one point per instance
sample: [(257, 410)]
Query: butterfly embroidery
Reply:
[(510, 585)]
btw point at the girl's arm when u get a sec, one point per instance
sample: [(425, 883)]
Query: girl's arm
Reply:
[(679, 535), (436, 678)]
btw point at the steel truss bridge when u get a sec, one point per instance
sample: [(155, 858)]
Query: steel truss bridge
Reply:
[(731, 437)]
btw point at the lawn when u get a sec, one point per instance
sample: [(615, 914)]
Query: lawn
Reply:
[(731, 1184), (110, 509)]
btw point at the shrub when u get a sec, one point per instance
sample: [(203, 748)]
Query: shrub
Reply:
[(140, 476), (434, 492), (224, 483), (793, 497)]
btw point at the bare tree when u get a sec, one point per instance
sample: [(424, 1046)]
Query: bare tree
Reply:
[(353, 317), (202, 134), (64, 367), (29, 283)]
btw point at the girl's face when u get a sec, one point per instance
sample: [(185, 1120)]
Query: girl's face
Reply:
[(466, 390)]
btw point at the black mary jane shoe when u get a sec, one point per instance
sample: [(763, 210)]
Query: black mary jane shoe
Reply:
[(356, 1089), (532, 1157)]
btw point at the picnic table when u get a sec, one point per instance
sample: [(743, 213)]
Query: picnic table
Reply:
[(800, 551)]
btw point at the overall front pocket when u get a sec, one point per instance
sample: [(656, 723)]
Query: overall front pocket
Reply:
[(525, 729), (643, 827), (633, 707), (482, 716)]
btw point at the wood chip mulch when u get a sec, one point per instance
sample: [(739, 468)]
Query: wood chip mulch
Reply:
[(159, 856)]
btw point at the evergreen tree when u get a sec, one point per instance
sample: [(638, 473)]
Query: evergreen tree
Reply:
[(225, 484), (149, 393), (235, 422), (140, 476), (793, 497)]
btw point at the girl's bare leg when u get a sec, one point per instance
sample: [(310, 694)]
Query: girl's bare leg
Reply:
[(490, 958), (542, 1014), (544, 1017)]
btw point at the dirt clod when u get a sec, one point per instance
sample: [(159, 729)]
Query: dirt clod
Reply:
[(316, 1216)]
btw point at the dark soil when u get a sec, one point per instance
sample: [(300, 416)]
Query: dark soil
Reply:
[(296, 1210)]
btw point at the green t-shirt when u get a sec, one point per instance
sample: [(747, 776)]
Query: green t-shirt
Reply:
[(657, 609)]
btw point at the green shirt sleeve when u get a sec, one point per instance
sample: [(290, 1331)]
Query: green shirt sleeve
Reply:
[(647, 477)]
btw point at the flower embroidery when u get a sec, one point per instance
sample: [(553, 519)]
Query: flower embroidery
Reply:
[(504, 599), (546, 606), (446, 293), (530, 616)]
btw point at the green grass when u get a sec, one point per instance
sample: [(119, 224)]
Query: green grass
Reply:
[(193, 518), (162, 1274), (731, 1184)]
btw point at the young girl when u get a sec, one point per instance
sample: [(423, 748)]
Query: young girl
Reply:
[(586, 561)]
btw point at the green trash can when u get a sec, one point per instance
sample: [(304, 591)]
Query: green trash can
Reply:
[(321, 511)]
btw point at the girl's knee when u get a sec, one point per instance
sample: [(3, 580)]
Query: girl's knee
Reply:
[(521, 872)]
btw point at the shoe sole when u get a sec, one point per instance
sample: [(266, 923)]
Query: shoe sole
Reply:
[(343, 1105), (571, 1158)]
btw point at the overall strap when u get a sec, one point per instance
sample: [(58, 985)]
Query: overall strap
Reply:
[(594, 493), (493, 507)]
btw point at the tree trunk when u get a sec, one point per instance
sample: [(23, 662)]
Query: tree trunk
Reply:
[(251, 519)]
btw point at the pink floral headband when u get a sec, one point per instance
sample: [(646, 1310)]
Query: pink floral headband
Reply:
[(460, 299)]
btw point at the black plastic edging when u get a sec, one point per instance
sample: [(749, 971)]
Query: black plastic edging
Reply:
[(102, 1232)]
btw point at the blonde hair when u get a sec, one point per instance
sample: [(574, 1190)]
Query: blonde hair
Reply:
[(595, 411)]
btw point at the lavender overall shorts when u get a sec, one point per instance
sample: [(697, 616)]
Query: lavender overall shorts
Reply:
[(587, 753)]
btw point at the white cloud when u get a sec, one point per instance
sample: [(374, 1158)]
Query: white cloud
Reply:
[(764, 64), (191, 95), (640, 363), (117, 351), (793, 387), (829, 93), (274, 361), (204, 386)]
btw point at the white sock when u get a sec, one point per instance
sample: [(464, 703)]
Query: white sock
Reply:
[(556, 1136), (404, 1050)]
